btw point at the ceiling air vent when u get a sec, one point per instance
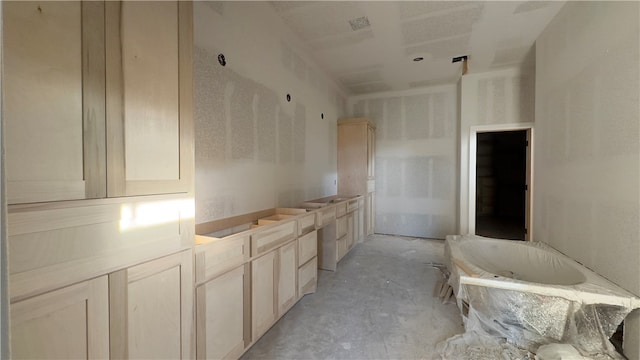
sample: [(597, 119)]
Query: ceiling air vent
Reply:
[(359, 23)]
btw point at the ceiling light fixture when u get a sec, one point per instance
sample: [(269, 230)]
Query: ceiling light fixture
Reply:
[(419, 58)]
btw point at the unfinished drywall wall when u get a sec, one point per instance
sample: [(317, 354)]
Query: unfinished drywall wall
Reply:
[(587, 153), (253, 148), (495, 99), (415, 159)]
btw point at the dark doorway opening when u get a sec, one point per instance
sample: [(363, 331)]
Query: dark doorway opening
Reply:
[(501, 184)]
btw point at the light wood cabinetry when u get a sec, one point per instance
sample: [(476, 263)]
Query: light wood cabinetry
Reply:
[(356, 164), (68, 323), (151, 309), (97, 108), (54, 119), (250, 270), (223, 279), (220, 316), (149, 105), (263, 293), (287, 277), (97, 99)]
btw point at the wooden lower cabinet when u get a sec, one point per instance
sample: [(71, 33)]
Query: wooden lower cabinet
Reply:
[(151, 309), (287, 277), (220, 315), (263, 285), (308, 277), (68, 323), (351, 235)]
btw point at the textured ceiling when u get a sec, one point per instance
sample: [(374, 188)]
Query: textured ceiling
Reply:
[(378, 54)]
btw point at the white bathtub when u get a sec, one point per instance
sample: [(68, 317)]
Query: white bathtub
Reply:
[(531, 294)]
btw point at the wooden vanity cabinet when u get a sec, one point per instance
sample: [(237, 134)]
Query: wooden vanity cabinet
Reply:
[(220, 315)]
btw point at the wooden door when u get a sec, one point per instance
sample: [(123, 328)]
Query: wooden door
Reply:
[(287, 276), (149, 106), (69, 323), (263, 303), (220, 316), (151, 308), (53, 80)]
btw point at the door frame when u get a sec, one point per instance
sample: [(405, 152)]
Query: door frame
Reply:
[(473, 137)]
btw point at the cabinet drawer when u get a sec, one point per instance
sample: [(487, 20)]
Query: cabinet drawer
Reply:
[(306, 223), (308, 277), (325, 216), (341, 209), (341, 227), (307, 247), (214, 258), (270, 238), (352, 205)]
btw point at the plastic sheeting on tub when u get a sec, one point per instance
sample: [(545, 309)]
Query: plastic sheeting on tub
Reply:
[(511, 319)]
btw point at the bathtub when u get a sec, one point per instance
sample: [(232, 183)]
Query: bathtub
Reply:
[(531, 294)]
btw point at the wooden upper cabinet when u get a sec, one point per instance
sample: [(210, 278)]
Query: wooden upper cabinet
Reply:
[(53, 109), (356, 156), (149, 105), (97, 99)]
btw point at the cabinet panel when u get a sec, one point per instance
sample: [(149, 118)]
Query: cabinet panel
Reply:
[(306, 223), (307, 247), (308, 277), (71, 323), (53, 148), (341, 248), (370, 205), (287, 275), (151, 309), (371, 152), (341, 227), (263, 305), (350, 231), (220, 316), (149, 121), (149, 33)]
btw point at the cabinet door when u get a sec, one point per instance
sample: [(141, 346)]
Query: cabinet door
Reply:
[(350, 231), (263, 304), (220, 316), (287, 276), (54, 100), (149, 120), (151, 309), (69, 323), (370, 213), (371, 152)]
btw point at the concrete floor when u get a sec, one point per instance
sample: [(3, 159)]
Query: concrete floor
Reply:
[(379, 304)]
